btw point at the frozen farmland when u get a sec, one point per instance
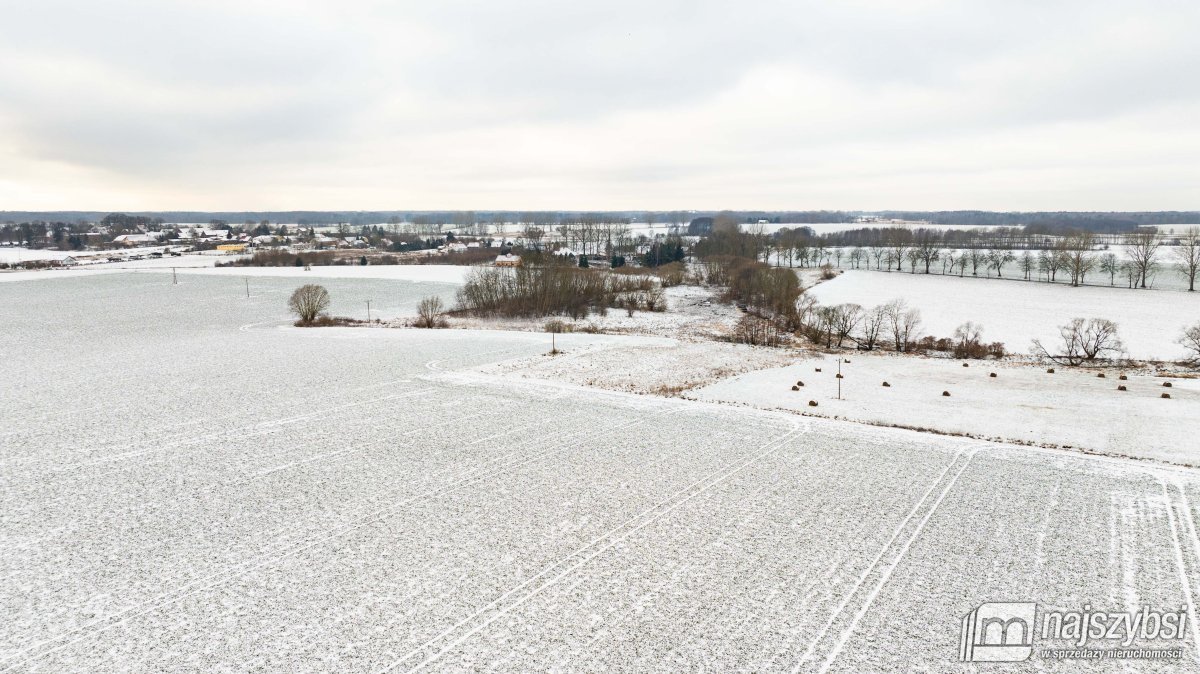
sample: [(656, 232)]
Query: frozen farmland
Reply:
[(190, 484)]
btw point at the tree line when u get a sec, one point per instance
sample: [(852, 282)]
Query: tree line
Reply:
[(1072, 257)]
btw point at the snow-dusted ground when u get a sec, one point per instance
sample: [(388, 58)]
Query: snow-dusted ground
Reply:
[(204, 264), (188, 484), (16, 254), (1016, 312), (1070, 408), (427, 273), (675, 350)]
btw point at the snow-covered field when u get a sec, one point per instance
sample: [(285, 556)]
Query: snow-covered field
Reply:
[(189, 484), (16, 254), (204, 264), (1016, 312), (1022, 403)]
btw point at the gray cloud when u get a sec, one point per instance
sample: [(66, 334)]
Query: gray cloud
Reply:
[(620, 104)]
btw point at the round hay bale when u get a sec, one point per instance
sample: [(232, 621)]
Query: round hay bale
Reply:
[(946, 394), (812, 403), (1100, 375), (795, 388), (799, 383), (886, 385), (839, 376), (1166, 395), (1122, 377), (1167, 384), (1122, 388), (966, 365), (1050, 371), (991, 374)]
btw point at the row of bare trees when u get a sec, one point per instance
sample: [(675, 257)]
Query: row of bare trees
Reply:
[(1071, 257), (835, 325)]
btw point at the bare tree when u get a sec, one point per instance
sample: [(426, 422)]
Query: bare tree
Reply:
[(872, 324), (1027, 264), (949, 261), (1109, 265), (878, 253), (898, 240), (927, 247), (968, 339), (429, 312), (905, 324), (1083, 341), (1190, 340), (845, 320), (976, 256), (533, 236), (1142, 247), (997, 258), (913, 256), (1188, 254), (308, 301)]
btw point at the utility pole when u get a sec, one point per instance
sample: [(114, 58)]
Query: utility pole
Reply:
[(174, 277), (368, 311), (247, 287), (839, 377)]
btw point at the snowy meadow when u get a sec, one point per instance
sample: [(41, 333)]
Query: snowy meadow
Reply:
[(1016, 312), (191, 484)]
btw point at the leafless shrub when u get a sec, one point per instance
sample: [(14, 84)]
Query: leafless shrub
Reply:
[(1190, 340), (654, 300), (308, 301), (430, 313), (1083, 341), (872, 325), (546, 291), (758, 331), (833, 325), (967, 341), (905, 324), (556, 326)]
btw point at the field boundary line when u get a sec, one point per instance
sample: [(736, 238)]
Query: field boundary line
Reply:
[(887, 575), (1184, 581), (870, 568)]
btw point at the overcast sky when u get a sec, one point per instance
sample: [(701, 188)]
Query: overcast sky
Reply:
[(570, 104)]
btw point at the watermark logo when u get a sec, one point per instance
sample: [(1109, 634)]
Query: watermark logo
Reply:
[(1005, 632), (998, 632)]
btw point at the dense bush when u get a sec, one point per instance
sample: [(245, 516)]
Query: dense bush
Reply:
[(308, 302), (758, 331), (430, 312), (754, 285), (546, 291)]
